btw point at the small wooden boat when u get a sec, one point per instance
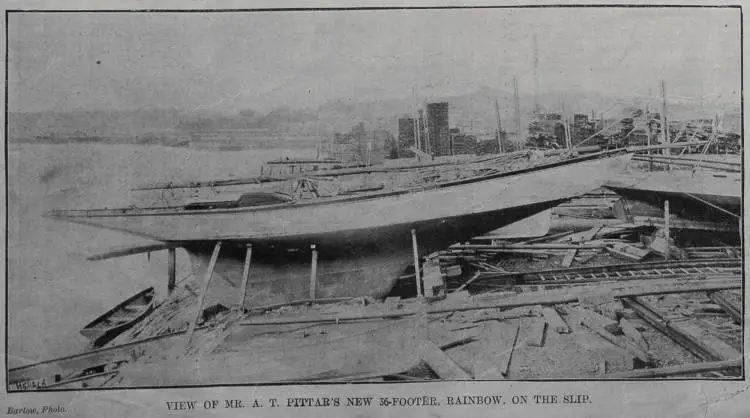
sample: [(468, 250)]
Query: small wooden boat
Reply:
[(120, 318)]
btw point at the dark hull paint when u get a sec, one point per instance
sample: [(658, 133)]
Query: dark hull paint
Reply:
[(685, 206), (350, 264)]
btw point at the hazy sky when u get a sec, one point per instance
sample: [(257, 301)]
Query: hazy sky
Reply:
[(259, 60)]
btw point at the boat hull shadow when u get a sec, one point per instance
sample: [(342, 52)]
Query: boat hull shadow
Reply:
[(350, 263)]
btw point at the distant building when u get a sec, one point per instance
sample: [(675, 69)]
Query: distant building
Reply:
[(438, 132), (406, 137), (362, 146), (462, 143)]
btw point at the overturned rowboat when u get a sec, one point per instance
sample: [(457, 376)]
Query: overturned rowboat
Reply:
[(363, 242)]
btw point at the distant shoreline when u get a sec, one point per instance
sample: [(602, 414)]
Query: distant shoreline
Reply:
[(265, 143)]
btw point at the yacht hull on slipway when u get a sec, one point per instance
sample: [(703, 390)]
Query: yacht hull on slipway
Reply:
[(364, 242)]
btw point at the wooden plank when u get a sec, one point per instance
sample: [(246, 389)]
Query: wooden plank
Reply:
[(58, 365), (687, 336), (488, 356), (726, 365), (537, 333), (415, 250), (666, 227), (579, 315), (206, 283), (382, 348), (631, 332), (622, 343), (468, 282), (569, 257), (441, 363), (721, 299), (171, 270), (507, 357), (628, 252), (443, 338), (58, 385), (720, 349), (521, 300), (124, 251), (555, 321), (313, 272), (591, 233), (245, 274)]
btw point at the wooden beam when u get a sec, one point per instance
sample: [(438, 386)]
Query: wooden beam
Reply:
[(416, 262), (206, 283), (666, 227), (468, 282), (555, 321), (441, 363), (515, 302), (591, 233), (486, 355), (171, 270), (245, 274), (569, 257), (687, 335), (721, 299), (537, 333), (313, 272), (632, 349), (632, 333), (57, 385), (725, 365), (508, 357), (124, 251)]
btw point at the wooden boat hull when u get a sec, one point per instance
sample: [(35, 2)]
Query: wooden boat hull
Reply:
[(699, 197), (345, 217), (104, 328), (368, 264), (364, 243)]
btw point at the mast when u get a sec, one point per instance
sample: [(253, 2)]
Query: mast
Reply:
[(566, 129), (664, 125), (499, 128), (648, 128), (517, 108), (427, 133), (417, 144), (536, 76)]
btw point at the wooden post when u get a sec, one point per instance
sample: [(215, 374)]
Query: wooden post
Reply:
[(664, 122), (499, 129), (206, 283), (171, 270), (416, 262), (648, 136), (245, 274), (313, 272), (666, 228)]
